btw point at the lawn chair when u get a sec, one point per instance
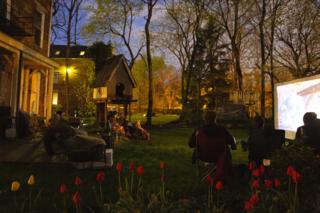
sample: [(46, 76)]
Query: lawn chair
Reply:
[(211, 156)]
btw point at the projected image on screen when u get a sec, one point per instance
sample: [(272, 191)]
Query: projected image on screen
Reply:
[(294, 100)]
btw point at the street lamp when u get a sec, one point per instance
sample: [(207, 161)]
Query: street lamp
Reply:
[(68, 70)]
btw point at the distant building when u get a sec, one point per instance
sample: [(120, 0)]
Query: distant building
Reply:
[(80, 73), (26, 72)]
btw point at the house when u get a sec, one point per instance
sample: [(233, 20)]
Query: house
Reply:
[(80, 73), (113, 88), (26, 71)]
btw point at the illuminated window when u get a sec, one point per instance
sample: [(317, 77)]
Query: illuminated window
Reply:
[(57, 52), (55, 98), (82, 53)]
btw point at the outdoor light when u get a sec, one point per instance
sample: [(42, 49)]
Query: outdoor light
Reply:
[(68, 70), (82, 53)]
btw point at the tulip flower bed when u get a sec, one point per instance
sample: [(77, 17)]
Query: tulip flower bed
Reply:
[(159, 177)]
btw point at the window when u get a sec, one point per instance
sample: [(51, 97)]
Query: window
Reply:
[(5, 9), (55, 98), (82, 53), (57, 52), (56, 77), (38, 27)]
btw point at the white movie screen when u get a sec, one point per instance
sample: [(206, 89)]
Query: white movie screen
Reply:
[(293, 100)]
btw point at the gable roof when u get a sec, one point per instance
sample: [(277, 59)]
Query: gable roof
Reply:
[(78, 51), (111, 66)]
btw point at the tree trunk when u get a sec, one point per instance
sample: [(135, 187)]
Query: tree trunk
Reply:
[(149, 62), (198, 102), (263, 61)]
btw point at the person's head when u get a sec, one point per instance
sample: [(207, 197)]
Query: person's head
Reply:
[(258, 122), (59, 115), (210, 117), (309, 118), (110, 117)]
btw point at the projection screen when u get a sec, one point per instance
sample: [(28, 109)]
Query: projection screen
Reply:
[(292, 100)]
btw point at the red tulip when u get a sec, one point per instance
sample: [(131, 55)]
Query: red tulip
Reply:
[(262, 169), (209, 178), (140, 170), (77, 181), (219, 185), (296, 176), (251, 166), (256, 173), (163, 178), (63, 188), (248, 206), (100, 176), (119, 167), (76, 198), (132, 166), (267, 184), (277, 183), (255, 184), (290, 170), (254, 199), (162, 165)]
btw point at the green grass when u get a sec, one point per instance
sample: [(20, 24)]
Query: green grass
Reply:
[(159, 119), (167, 144)]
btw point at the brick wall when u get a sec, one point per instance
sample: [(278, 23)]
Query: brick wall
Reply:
[(27, 8)]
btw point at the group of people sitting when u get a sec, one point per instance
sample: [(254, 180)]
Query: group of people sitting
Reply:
[(62, 134), (120, 127), (212, 143)]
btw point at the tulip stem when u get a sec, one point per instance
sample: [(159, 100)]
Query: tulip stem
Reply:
[(65, 203), (30, 195), (101, 194), (15, 201), (131, 184), (119, 179)]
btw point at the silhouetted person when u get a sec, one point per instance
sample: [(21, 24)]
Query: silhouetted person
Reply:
[(309, 133), (211, 145), (258, 146)]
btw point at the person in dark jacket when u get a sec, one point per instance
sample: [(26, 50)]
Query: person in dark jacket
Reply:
[(211, 143), (309, 133)]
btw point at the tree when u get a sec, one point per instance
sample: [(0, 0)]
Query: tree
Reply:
[(65, 27), (298, 37), (150, 5), (115, 18), (100, 52), (234, 17), (177, 34)]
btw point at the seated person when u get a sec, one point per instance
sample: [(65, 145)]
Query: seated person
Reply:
[(309, 133), (258, 141), (211, 145), (61, 133), (142, 133)]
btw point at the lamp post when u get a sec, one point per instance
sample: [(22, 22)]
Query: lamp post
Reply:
[(68, 70)]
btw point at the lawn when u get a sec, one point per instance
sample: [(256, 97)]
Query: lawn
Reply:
[(167, 144), (158, 119)]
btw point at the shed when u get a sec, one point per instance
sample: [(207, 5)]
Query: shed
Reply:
[(112, 88)]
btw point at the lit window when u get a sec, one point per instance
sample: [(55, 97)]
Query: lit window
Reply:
[(57, 52), (55, 98), (82, 53)]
